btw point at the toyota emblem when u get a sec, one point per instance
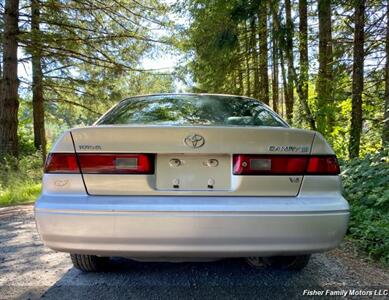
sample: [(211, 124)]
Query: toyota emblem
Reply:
[(194, 141)]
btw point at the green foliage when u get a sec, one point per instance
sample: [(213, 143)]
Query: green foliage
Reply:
[(20, 185), (213, 40), (366, 187), (91, 56), (25, 128), (223, 58)]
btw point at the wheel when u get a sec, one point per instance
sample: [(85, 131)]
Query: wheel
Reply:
[(291, 263), (89, 263)]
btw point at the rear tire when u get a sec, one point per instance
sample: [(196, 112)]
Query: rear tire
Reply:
[(290, 263), (89, 263)]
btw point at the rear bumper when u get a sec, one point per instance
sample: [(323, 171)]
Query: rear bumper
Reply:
[(191, 226)]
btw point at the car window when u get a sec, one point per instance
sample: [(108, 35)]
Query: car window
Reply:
[(203, 110)]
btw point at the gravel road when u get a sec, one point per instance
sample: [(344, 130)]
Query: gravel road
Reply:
[(28, 270)]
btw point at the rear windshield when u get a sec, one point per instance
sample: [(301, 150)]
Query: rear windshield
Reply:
[(187, 110)]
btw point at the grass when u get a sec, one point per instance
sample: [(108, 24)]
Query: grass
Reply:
[(21, 185), (20, 194)]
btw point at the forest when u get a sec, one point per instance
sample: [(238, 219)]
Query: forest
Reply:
[(321, 65)]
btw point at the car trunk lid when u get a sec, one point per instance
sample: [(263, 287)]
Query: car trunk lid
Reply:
[(191, 160)]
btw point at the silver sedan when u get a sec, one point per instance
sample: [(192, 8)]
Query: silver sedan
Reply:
[(183, 177)]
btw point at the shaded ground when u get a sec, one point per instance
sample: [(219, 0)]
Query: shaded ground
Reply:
[(28, 270)]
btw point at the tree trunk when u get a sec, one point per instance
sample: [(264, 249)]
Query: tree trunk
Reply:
[(37, 78), (282, 98), (234, 83), (385, 133), (241, 68), (275, 30), (1, 65), (284, 81), (254, 55), (289, 97), (304, 64), (241, 87), (247, 60), (324, 82), (9, 103), (263, 53), (357, 85)]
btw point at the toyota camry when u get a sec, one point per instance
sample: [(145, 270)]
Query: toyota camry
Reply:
[(187, 177)]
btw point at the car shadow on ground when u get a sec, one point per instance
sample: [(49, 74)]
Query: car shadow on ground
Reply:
[(226, 279)]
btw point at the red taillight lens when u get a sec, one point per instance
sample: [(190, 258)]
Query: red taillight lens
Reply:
[(268, 165), (323, 165), (61, 163), (100, 163), (116, 163), (245, 164)]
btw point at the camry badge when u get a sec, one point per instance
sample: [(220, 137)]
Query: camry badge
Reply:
[(297, 149), (194, 141)]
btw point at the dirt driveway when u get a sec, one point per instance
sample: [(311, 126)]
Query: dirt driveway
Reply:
[(28, 270)]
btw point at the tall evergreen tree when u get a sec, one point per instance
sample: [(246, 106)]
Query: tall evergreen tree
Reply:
[(275, 49), (289, 95), (37, 80), (9, 103), (77, 51), (357, 84), (254, 56), (385, 132), (263, 52), (216, 23), (304, 64), (325, 117)]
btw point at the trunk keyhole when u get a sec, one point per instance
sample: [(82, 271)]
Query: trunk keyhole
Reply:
[(211, 183), (176, 183)]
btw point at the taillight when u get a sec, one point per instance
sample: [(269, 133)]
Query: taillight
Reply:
[(61, 163), (116, 163), (245, 164), (323, 165), (94, 163)]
